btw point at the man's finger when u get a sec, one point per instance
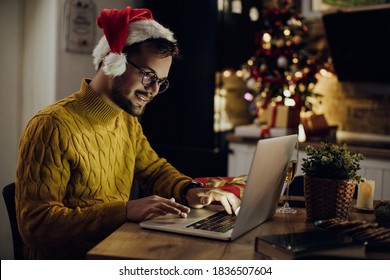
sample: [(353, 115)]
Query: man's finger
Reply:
[(225, 203), (205, 200)]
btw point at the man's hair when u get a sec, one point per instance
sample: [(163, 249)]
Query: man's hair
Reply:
[(159, 46)]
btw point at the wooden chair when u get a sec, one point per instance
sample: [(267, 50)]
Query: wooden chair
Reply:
[(9, 198)]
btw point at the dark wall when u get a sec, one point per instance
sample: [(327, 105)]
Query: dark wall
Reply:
[(188, 105), (359, 43), (179, 123), (236, 35)]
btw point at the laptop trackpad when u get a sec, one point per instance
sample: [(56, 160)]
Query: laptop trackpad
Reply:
[(193, 216)]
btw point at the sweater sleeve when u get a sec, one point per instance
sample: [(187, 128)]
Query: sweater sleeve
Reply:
[(156, 175), (43, 174)]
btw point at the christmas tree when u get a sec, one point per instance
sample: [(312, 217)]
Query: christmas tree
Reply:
[(282, 71)]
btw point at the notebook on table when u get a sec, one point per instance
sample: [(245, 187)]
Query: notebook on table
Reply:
[(312, 244), (260, 198)]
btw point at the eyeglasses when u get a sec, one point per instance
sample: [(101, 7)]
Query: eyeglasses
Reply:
[(150, 78)]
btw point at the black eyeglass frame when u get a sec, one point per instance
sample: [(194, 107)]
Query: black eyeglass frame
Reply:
[(153, 77)]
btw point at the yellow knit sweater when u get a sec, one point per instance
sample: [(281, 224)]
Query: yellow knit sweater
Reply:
[(77, 162)]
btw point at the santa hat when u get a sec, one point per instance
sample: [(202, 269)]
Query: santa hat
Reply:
[(122, 28)]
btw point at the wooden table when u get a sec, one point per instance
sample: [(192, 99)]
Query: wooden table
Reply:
[(131, 242)]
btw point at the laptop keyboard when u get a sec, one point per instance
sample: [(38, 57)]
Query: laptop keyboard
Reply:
[(218, 222)]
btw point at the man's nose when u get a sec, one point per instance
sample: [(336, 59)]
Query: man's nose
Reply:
[(154, 89)]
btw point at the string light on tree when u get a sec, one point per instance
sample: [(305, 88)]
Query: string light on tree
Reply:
[(282, 70)]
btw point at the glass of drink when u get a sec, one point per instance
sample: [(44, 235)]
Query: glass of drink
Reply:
[(291, 172)]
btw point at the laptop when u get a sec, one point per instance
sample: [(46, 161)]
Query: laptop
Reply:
[(258, 204)]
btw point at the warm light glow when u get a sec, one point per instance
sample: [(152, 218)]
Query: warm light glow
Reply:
[(365, 197), (227, 73), (254, 14), (266, 46), (326, 73), (298, 74), (248, 96), (311, 100), (239, 73), (289, 102), (295, 60), (266, 41), (301, 133), (286, 32), (220, 5), (246, 74), (294, 22), (251, 83), (236, 6), (250, 62), (286, 93), (222, 92), (266, 37)]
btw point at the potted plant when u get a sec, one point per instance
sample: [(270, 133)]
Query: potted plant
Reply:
[(330, 179)]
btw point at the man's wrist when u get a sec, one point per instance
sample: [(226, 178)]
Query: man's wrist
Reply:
[(190, 185)]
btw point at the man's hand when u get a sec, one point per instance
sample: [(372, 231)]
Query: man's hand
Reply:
[(139, 210), (199, 197)]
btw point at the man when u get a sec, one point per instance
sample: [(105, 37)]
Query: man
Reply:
[(79, 157)]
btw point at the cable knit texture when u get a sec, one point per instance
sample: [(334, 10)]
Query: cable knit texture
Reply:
[(77, 162)]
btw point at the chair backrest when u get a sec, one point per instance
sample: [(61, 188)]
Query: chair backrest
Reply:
[(9, 198)]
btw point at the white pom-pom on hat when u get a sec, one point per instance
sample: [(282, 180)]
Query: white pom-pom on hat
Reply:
[(123, 28), (114, 64)]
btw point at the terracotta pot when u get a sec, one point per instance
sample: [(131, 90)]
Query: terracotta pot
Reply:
[(327, 198)]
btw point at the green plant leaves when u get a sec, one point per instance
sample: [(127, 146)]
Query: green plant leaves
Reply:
[(331, 161)]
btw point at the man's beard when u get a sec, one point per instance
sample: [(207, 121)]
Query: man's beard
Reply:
[(118, 95)]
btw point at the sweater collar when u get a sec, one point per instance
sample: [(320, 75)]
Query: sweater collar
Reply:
[(96, 107)]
